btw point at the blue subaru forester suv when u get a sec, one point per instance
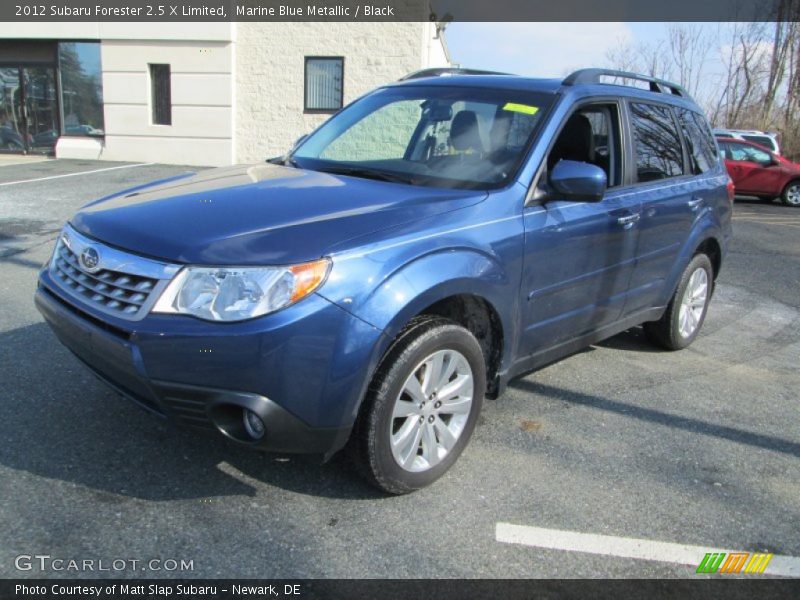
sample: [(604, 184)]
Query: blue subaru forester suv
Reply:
[(432, 240)]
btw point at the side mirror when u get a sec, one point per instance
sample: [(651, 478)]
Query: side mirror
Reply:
[(578, 181)]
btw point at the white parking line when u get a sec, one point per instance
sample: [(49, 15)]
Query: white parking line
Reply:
[(78, 173), (623, 547)]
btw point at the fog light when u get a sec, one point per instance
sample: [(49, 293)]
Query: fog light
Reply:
[(253, 424)]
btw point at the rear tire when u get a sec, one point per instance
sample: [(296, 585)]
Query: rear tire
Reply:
[(687, 309), (421, 407), (791, 194)]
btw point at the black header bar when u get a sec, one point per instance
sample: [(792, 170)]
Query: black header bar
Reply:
[(393, 589), (397, 10)]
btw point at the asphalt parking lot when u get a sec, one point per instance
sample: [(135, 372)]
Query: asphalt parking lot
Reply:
[(699, 447)]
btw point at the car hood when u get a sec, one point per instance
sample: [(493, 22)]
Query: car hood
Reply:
[(259, 214)]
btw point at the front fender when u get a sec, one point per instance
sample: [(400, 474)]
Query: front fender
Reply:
[(427, 279), (434, 277)]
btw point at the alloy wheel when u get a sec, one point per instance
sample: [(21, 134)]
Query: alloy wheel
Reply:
[(793, 195), (431, 411), (693, 303)]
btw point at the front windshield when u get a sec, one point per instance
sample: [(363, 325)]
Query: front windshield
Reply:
[(428, 135)]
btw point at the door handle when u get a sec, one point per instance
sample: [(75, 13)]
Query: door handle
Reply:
[(694, 203), (629, 221)]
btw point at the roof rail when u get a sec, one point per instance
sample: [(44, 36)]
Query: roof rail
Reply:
[(656, 85), (440, 71)]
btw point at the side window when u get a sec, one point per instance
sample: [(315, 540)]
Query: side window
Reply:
[(738, 152), (761, 140), (659, 153), (591, 135), (757, 156), (706, 136), (702, 154)]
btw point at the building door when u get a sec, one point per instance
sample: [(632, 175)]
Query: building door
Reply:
[(29, 118)]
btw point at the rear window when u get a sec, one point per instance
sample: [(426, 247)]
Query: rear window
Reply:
[(761, 140), (745, 153), (699, 142), (659, 154)]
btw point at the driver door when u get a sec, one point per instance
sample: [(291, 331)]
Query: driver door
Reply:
[(579, 256), (752, 170)]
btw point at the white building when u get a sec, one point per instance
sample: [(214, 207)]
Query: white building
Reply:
[(192, 93)]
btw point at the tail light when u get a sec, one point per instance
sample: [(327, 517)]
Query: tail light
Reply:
[(731, 190)]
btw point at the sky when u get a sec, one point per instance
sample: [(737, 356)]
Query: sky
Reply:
[(544, 49)]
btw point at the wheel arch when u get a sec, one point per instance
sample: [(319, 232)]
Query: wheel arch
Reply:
[(477, 294), (481, 318), (711, 248), (792, 181), (706, 239)]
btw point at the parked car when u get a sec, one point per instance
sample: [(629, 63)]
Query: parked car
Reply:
[(430, 242), (10, 139), (49, 137), (763, 138), (756, 171)]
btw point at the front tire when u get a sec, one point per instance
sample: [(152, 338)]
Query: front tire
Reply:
[(791, 194), (687, 309), (421, 407)]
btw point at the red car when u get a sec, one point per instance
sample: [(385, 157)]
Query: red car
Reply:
[(756, 171)]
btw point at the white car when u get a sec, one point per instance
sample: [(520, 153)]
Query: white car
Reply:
[(762, 138)]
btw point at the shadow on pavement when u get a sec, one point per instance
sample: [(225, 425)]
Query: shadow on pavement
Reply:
[(656, 416), (632, 340), (59, 422)]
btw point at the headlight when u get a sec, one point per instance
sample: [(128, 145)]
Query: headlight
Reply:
[(239, 293)]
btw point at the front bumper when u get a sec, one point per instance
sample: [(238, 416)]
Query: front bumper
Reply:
[(302, 370)]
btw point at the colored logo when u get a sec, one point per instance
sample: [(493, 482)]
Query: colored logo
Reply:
[(90, 258), (734, 562)]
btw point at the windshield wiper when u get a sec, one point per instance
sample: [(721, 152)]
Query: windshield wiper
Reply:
[(366, 174)]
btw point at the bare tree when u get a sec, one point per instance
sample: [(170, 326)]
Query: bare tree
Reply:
[(753, 84), (689, 47)]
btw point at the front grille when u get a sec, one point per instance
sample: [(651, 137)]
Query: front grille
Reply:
[(113, 281), (115, 291)]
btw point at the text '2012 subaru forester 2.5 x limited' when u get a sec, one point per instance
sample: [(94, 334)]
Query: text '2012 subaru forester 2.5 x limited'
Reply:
[(432, 240)]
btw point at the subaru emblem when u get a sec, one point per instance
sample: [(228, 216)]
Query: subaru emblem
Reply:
[(90, 258)]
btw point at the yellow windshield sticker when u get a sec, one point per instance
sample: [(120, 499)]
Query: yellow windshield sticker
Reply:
[(521, 108)]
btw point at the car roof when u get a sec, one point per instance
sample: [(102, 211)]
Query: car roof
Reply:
[(502, 82), (547, 86)]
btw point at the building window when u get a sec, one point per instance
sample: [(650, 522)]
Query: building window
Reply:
[(161, 94), (81, 88), (324, 83)]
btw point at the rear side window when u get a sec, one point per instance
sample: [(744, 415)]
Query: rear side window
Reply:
[(761, 140), (745, 153), (702, 154), (659, 154)]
